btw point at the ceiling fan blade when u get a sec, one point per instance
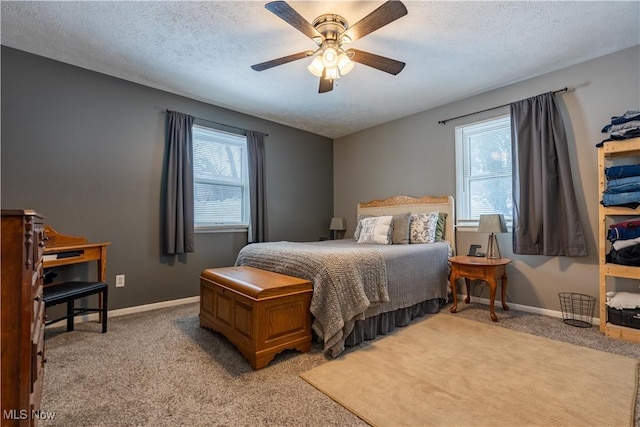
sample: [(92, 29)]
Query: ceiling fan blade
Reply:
[(293, 18), (279, 61), (381, 63), (326, 85), (385, 14)]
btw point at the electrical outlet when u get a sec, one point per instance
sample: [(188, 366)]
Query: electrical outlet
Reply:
[(119, 280)]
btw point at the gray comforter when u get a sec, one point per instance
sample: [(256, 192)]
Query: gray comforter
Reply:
[(353, 281), (346, 281)]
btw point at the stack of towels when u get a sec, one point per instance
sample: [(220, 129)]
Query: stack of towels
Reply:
[(625, 243)]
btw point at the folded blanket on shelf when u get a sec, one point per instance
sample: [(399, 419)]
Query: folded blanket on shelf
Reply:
[(623, 300), (625, 256), (621, 244)]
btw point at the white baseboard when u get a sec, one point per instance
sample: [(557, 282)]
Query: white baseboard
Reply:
[(136, 309), (154, 306), (189, 300), (520, 307)]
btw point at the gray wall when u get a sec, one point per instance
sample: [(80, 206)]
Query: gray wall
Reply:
[(94, 145), (415, 156), (86, 150)]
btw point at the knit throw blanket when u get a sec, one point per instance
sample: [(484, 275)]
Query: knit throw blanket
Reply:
[(345, 282)]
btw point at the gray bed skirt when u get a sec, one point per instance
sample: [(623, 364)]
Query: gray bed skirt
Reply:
[(384, 323)]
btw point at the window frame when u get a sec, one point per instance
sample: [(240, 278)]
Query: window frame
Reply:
[(241, 141), (463, 198)]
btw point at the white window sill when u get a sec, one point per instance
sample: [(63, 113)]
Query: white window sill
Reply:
[(472, 227), (222, 229)]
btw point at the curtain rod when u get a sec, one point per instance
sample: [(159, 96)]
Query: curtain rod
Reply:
[(444, 122), (216, 123)]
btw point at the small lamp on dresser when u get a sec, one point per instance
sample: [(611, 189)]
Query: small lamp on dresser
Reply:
[(337, 225), (493, 223)]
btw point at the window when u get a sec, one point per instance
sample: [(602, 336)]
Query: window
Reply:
[(483, 169), (221, 183)]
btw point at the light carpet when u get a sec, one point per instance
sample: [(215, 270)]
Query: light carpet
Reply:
[(447, 371)]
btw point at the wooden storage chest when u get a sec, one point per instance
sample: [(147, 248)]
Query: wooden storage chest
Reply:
[(262, 313)]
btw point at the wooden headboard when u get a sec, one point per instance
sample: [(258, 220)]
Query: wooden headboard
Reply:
[(400, 204)]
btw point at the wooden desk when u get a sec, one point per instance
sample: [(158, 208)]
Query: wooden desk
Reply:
[(86, 253), (60, 245), (481, 268)]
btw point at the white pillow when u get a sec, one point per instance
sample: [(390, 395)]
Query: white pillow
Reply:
[(423, 228), (623, 300), (375, 230), (356, 234)]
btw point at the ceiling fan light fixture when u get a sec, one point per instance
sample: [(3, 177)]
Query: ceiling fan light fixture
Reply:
[(316, 67), (345, 64), (331, 32), (330, 57), (331, 73)]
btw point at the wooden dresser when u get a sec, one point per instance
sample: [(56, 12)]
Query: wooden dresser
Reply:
[(22, 316)]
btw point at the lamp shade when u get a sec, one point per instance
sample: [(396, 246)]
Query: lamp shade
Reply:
[(316, 67), (338, 224), (331, 73), (332, 63), (493, 223), (330, 57), (345, 64)]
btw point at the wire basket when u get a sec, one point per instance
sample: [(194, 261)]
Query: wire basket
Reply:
[(577, 309)]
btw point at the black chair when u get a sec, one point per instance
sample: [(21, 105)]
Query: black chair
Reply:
[(69, 292)]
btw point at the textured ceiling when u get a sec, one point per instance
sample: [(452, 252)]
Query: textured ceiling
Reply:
[(204, 50)]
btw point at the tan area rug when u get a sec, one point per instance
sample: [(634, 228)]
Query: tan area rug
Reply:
[(450, 371)]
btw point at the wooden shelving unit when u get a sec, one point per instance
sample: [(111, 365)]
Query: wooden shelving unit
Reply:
[(607, 154)]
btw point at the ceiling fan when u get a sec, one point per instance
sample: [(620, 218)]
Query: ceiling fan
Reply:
[(330, 32)]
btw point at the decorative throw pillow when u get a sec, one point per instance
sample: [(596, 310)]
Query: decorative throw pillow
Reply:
[(423, 227), (442, 220), (400, 224), (375, 230), (356, 233)]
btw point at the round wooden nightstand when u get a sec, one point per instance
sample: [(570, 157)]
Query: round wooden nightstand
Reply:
[(481, 268)]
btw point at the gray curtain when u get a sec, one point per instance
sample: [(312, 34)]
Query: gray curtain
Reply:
[(257, 187), (545, 213), (177, 228)]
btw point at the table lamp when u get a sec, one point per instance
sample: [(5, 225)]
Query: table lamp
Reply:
[(493, 223), (337, 224)]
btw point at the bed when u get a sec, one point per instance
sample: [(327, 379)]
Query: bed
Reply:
[(364, 289)]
